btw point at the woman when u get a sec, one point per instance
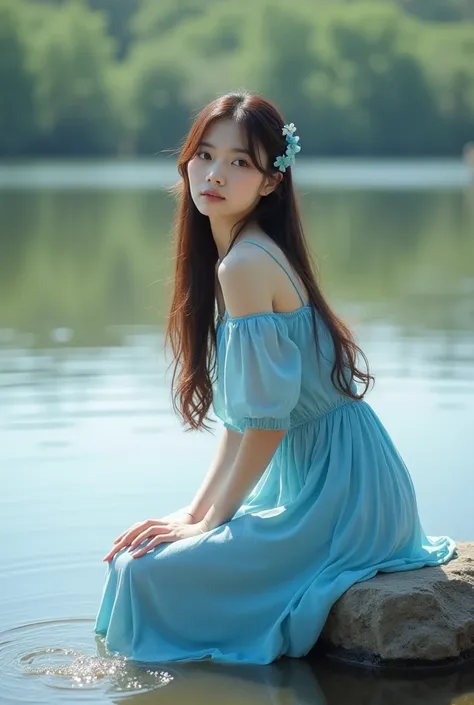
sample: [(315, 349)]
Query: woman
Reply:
[(307, 494)]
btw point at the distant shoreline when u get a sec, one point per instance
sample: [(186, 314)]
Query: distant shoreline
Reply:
[(145, 173)]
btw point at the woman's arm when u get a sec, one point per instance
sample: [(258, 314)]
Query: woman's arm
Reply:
[(256, 450), (245, 292), (217, 474)]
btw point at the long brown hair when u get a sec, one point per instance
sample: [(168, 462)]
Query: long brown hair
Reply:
[(191, 325)]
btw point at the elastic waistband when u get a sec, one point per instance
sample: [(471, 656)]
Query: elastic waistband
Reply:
[(318, 417)]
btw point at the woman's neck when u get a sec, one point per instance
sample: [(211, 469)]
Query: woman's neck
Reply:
[(222, 237), (221, 232)]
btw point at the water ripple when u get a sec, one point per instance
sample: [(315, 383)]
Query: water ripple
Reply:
[(40, 660)]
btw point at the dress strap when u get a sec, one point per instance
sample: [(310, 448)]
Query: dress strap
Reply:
[(252, 242)]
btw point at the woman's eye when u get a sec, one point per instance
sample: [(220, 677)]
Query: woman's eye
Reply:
[(244, 163), (200, 155)]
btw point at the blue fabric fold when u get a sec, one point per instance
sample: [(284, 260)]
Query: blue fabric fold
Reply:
[(260, 382)]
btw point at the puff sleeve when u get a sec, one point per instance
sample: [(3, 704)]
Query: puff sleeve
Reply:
[(259, 373)]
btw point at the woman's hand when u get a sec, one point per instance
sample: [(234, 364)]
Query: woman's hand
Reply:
[(156, 531)]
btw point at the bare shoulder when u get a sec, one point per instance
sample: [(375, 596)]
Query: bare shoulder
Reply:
[(242, 262), (245, 279)]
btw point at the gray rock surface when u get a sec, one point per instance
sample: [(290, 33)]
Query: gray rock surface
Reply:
[(418, 616)]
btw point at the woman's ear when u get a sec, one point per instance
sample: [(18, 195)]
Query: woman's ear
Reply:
[(271, 183)]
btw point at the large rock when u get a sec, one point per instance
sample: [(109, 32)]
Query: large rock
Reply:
[(422, 617)]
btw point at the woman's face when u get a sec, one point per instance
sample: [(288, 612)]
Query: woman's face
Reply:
[(222, 165)]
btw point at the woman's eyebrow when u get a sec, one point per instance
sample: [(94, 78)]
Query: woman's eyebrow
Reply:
[(240, 150)]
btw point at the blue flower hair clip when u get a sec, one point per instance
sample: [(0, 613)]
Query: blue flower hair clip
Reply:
[(288, 159)]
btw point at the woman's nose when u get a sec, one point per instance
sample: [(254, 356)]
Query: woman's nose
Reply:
[(215, 177)]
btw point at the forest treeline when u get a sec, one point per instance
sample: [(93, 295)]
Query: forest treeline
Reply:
[(126, 77)]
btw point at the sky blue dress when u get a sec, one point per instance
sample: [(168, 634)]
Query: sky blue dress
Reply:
[(335, 505)]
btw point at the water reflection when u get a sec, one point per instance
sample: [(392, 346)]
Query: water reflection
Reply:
[(88, 260), (57, 386), (285, 682), (55, 673), (48, 673), (341, 687)]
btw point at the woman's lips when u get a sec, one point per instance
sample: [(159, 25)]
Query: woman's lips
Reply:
[(211, 197)]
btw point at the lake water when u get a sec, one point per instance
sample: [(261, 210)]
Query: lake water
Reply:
[(89, 443)]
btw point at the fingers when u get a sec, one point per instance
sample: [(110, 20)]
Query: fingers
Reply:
[(148, 533), (137, 528), (163, 538), (128, 531), (135, 536), (118, 547), (113, 551)]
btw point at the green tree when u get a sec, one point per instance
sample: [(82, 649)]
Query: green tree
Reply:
[(76, 83), (447, 52), (157, 19), (357, 77), (440, 10), (17, 119), (159, 113), (119, 15), (389, 89), (187, 57), (212, 59), (278, 59)]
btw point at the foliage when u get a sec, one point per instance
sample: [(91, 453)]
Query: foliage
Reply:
[(17, 119), (72, 59), (365, 77)]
